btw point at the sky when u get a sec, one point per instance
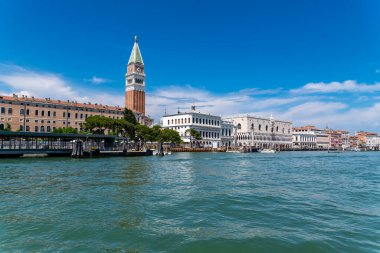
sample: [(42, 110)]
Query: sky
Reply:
[(311, 62)]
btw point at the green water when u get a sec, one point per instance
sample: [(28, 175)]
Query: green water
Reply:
[(189, 202)]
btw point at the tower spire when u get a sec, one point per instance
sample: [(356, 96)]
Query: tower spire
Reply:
[(136, 54)]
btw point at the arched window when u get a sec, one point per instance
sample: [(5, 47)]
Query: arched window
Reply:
[(259, 127), (239, 126), (182, 121), (168, 121), (252, 126), (266, 128), (276, 128), (21, 111)]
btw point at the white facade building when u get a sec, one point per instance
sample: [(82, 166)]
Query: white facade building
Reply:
[(261, 132), (372, 142), (304, 137), (214, 132)]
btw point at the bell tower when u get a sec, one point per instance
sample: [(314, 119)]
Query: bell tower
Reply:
[(135, 82)]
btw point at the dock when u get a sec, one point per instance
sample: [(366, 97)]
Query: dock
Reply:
[(26, 144)]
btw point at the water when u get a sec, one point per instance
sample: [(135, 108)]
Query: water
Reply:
[(192, 202)]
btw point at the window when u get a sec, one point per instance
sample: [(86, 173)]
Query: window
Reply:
[(48, 129), (42, 113), (48, 113), (10, 110), (27, 128), (168, 121), (69, 115), (1, 126), (252, 126), (2, 110), (21, 128), (21, 111), (259, 127), (27, 112), (76, 115), (36, 113), (36, 129), (64, 115), (266, 128), (42, 129), (54, 114), (81, 116), (239, 126)]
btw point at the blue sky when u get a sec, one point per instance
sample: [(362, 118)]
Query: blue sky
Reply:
[(312, 62)]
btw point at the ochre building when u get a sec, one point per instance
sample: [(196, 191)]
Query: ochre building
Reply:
[(31, 114)]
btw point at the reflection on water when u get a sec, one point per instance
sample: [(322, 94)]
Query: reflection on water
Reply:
[(189, 202)]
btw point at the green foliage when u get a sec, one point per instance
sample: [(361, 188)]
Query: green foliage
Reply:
[(144, 133), (129, 116), (7, 128), (65, 130), (194, 134)]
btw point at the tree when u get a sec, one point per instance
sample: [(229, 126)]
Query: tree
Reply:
[(165, 135), (65, 130), (130, 116), (144, 134), (98, 124), (8, 128), (194, 134)]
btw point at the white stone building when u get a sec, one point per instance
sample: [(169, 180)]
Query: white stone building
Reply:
[(250, 131), (372, 142), (322, 139), (214, 131), (304, 137)]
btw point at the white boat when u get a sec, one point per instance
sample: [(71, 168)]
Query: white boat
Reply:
[(232, 151), (267, 151)]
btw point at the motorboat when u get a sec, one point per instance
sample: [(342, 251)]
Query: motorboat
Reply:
[(267, 151)]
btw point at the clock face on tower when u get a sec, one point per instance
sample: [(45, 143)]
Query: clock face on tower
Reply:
[(138, 70)]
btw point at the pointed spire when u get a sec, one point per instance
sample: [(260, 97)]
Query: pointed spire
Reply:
[(136, 55)]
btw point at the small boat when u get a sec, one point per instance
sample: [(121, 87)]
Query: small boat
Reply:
[(267, 151), (334, 151), (232, 151)]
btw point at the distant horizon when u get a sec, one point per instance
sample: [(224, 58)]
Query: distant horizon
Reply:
[(309, 63)]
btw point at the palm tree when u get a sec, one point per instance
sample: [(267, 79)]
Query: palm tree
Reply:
[(194, 134)]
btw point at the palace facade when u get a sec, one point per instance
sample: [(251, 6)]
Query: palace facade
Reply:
[(214, 131), (261, 132)]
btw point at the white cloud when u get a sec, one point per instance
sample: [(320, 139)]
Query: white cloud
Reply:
[(98, 80), (301, 106), (22, 81), (332, 87)]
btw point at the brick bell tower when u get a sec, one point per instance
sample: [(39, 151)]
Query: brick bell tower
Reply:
[(135, 82)]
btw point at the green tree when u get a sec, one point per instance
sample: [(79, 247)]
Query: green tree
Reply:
[(8, 128), (98, 124), (130, 116), (165, 135), (194, 135), (65, 130), (144, 134)]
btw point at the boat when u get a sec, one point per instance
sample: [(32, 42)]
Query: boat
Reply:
[(232, 151), (267, 151)]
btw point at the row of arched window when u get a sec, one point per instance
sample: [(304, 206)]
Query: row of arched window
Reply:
[(260, 128)]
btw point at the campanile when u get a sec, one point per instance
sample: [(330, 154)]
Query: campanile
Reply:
[(135, 82)]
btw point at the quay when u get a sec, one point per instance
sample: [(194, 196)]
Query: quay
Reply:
[(27, 144)]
